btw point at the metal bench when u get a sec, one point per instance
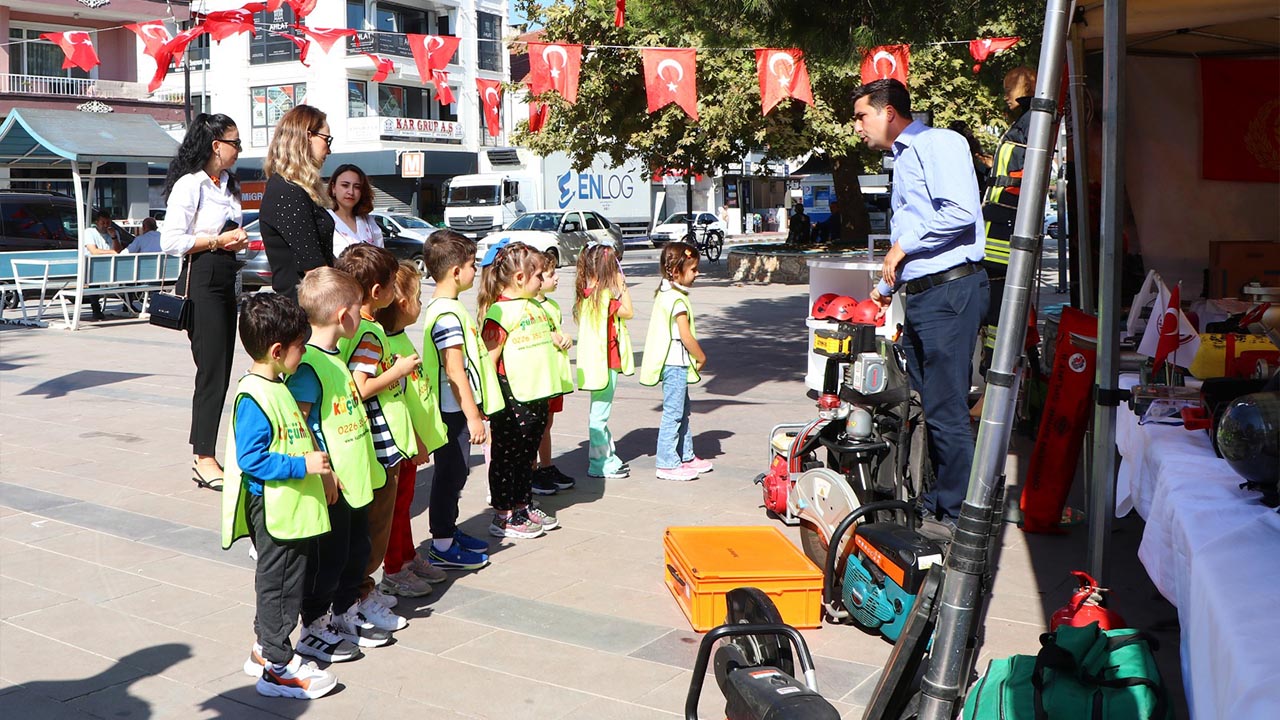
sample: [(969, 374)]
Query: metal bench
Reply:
[(120, 276), (46, 271)]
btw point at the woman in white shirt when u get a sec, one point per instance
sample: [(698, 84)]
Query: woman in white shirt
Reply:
[(202, 225), (352, 201)]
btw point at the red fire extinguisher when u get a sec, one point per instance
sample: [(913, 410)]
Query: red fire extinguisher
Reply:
[(1086, 606)]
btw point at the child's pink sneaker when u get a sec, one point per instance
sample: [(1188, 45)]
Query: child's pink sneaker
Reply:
[(681, 473), (699, 465)]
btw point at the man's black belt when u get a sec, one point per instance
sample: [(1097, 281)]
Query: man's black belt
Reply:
[(925, 282)]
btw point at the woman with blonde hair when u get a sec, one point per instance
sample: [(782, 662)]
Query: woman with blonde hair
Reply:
[(297, 228)]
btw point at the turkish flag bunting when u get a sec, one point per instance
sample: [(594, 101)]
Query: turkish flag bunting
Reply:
[(538, 114), (384, 65), (153, 35), (669, 77), (432, 53), (886, 61), (782, 74), (170, 51), (986, 47), (303, 46), (301, 8), (444, 93), (325, 37), (77, 46), (619, 12), (222, 24), (555, 66), (491, 96), (269, 6)]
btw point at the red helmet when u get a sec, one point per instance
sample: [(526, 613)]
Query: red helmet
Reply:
[(822, 306), (868, 312), (842, 308)]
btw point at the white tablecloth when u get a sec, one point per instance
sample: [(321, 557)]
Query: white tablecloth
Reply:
[(1213, 550)]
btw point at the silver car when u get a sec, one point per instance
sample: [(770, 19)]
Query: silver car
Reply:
[(254, 271), (564, 233)]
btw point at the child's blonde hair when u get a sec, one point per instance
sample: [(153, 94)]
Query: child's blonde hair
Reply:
[(675, 259), (324, 291), (511, 258), (597, 268), (408, 284)]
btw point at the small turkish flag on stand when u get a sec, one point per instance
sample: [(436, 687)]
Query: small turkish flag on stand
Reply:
[(555, 66), (669, 77), (491, 96), (384, 65), (782, 74), (538, 114), (1170, 330), (986, 47), (77, 46), (886, 61)]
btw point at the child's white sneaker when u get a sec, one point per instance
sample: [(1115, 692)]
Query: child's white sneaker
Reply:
[(300, 680), (255, 662), (354, 626), (381, 617)]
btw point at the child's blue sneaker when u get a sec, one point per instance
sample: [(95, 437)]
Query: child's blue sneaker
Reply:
[(457, 558), (473, 544)]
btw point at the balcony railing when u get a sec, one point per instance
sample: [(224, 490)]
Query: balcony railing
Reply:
[(83, 88)]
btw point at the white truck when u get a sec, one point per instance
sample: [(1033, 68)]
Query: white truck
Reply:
[(516, 182)]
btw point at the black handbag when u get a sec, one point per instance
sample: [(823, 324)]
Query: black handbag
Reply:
[(171, 310)]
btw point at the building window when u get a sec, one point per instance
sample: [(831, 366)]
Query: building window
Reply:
[(270, 103), (396, 101), (30, 55), (201, 103), (489, 41), (357, 99), (266, 46), (355, 14)]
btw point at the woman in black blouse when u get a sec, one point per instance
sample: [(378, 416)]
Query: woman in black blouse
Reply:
[(297, 228)]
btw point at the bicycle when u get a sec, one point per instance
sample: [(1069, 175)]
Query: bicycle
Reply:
[(708, 242)]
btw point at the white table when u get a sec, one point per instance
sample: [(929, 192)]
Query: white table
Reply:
[(1213, 550)]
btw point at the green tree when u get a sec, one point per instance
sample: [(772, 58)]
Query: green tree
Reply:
[(610, 116)]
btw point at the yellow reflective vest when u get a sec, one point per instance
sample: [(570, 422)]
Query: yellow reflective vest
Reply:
[(562, 369), (593, 342), (528, 353), (420, 397), (394, 409), (344, 427), (480, 369), (657, 341)]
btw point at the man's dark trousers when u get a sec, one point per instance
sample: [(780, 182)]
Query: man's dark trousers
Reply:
[(939, 336)]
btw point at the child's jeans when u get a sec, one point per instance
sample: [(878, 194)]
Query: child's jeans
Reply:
[(601, 455), (675, 441)]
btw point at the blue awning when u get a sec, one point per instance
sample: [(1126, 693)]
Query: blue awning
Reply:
[(32, 137)]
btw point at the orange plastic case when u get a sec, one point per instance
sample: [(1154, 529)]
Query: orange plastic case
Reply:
[(704, 563)]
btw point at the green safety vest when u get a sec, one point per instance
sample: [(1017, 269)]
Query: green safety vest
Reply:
[(394, 409), (424, 410), (528, 354), (658, 340), (593, 343), (294, 509), (563, 371), (344, 425), (1000, 206), (481, 372)]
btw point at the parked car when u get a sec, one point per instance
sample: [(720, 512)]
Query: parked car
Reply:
[(402, 225), (255, 272), (565, 233), (676, 227), (1051, 225)]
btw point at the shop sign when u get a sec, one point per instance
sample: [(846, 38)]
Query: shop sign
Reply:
[(420, 128), (412, 164)]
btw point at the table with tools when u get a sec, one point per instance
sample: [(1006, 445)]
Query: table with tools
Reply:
[(1213, 550)]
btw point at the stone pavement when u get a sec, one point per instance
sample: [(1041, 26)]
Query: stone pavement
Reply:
[(117, 602)]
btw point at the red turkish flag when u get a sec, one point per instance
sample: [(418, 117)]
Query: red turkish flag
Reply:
[(77, 46), (444, 93), (670, 77), (1169, 326), (538, 114), (619, 12), (432, 53), (303, 45), (886, 61), (170, 51), (153, 35), (491, 97), (384, 65), (301, 8), (1241, 144), (555, 66), (986, 47), (325, 37), (222, 24), (782, 74), (268, 6)]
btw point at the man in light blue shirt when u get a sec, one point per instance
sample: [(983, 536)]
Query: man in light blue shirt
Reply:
[(933, 266)]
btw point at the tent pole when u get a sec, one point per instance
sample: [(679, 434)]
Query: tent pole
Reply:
[(1102, 502), (82, 218), (1083, 223), (959, 603)]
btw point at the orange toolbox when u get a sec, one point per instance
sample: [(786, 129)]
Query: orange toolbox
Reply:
[(704, 563)]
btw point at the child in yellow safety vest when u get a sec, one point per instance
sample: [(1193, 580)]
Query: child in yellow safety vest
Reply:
[(602, 307), (547, 478), (278, 490), (517, 332)]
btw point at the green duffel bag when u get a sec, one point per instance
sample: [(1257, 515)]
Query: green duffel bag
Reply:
[(1080, 673)]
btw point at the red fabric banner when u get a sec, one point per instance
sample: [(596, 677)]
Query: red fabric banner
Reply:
[(670, 77), (301, 8), (491, 99), (982, 49), (153, 34), (555, 66), (325, 37), (538, 114), (384, 66), (268, 6), (431, 53), (619, 12), (1239, 120), (782, 74), (886, 61), (77, 46), (168, 54), (444, 93), (304, 47), (222, 24)]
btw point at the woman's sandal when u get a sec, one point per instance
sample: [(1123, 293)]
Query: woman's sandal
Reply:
[(197, 477)]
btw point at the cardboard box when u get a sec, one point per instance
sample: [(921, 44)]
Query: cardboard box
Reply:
[(1236, 263)]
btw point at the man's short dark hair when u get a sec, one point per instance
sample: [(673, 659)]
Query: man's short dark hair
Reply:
[(103, 213), (266, 319), (148, 224), (886, 92), (446, 250)]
